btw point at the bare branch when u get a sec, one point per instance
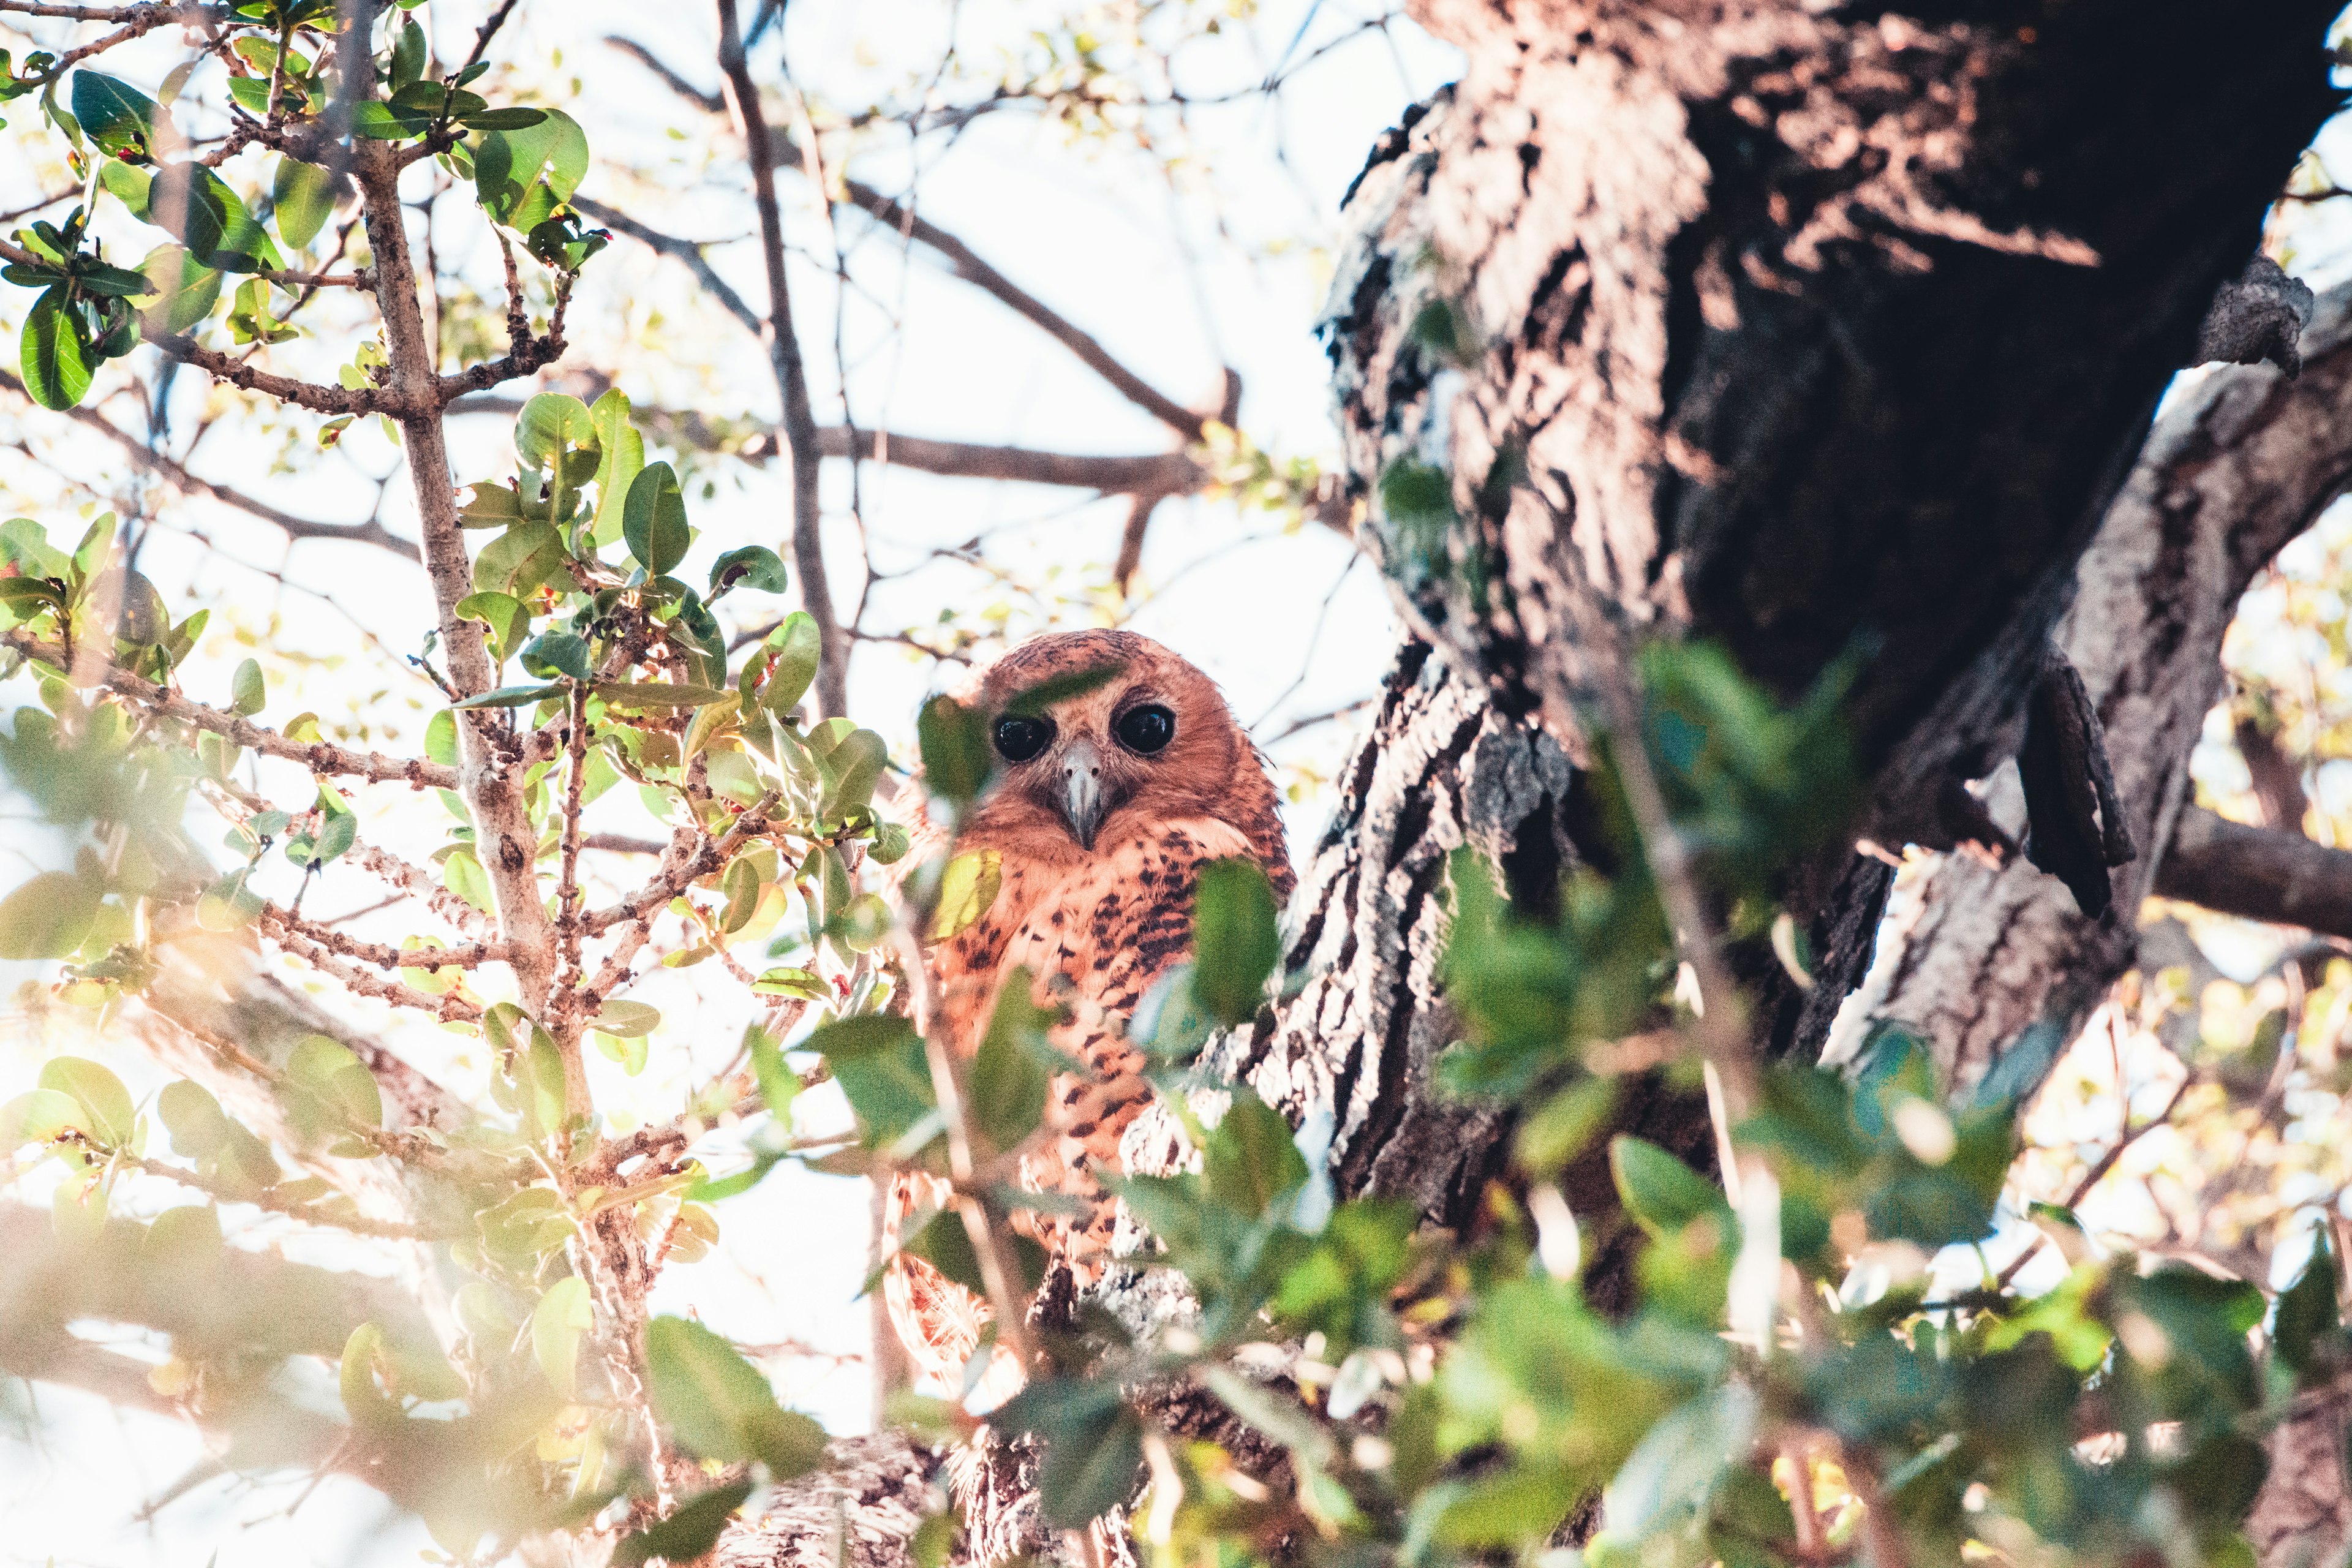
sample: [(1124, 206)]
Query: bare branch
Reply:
[(163, 466), (967, 265), (319, 756), (383, 955), (2258, 873), (286, 389), (1164, 474), (798, 422), (684, 250), (673, 879), (709, 102), (962, 259)]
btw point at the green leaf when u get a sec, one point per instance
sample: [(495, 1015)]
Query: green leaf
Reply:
[(518, 561), (1236, 939), (512, 119), (558, 653), (659, 694), (370, 1409), (558, 1324), (627, 1018), (551, 425), (510, 696), (107, 1112), (799, 649), (742, 887), (1093, 1446), (2308, 1311), (37, 1116), (800, 983), (856, 763), (506, 616), (115, 114), (186, 289), (303, 197), (378, 121), (1250, 1159), (490, 505), (247, 693), (1012, 1069), (880, 1063), (130, 185), (620, 457), (654, 519), (968, 890), (441, 739), (463, 875), (779, 1084), (1033, 701), (195, 1119), (211, 219), (689, 1533), (520, 176), (56, 354), (719, 1406), (49, 916), (956, 754), (751, 566), (408, 54), (1660, 1192)]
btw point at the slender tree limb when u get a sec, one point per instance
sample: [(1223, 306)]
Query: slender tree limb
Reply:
[(798, 422), (307, 395), (963, 261), (171, 472), (1166, 474), (684, 250), (319, 756)]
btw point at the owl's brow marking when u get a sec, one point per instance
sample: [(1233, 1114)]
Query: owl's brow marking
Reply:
[(1032, 701)]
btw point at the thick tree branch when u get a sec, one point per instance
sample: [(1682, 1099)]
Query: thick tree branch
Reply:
[(2259, 873), (798, 422), (507, 841)]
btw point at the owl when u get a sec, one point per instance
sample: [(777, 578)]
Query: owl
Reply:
[(1104, 805)]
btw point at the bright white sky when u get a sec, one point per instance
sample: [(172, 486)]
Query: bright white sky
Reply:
[(1096, 233)]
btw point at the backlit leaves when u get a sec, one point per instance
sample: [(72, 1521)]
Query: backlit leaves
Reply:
[(719, 1406), (1236, 939)]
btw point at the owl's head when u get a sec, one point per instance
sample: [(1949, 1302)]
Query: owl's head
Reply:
[(1099, 731)]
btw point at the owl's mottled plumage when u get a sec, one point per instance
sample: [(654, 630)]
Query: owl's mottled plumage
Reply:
[(1099, 843)]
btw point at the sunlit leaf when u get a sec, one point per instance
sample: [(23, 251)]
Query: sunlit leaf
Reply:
[(49, 916), (968, 888), (1235, 937), (720, 1405), (558, 1324)]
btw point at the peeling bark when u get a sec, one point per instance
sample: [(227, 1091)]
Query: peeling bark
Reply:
[(1998, 967)]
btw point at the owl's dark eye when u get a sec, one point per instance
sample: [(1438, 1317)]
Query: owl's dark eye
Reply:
[(1019, 738), (1147, 728)]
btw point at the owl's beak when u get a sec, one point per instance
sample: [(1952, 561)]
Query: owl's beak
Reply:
[(1082, 791)]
